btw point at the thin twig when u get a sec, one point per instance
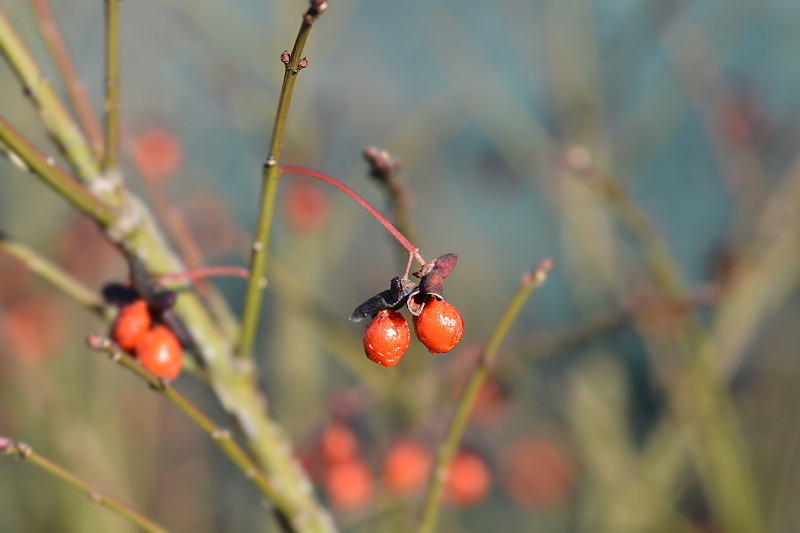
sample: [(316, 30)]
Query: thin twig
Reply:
[(56, 277), (24, 452), (111, 148), (258, 282), (433, 495), (52, 175), (76, 91), (222, 438)]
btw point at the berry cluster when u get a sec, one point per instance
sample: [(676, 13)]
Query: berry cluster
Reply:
[(156, 347), (437, 324)]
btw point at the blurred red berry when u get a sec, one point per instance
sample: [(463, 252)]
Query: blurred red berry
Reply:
[(386, 338), (131, 325), (33, 328), (439, 326), (160, 353), (338, 444), (349, 485), (468, 480), (14, 279), (535, 473), (157, 154), (406, 467), (306, 205)]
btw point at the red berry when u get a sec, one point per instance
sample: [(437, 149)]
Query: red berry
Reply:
[(158, 154), (349, 484), (406, 467), (338, 443), (439, 326), (386, 338), (468, 479), (536, 473), (132, 324), (160, 353)]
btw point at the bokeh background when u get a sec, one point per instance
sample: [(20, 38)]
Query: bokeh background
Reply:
[(527, 129)]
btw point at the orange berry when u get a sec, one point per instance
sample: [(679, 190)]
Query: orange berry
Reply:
[(439, 326), (386, 338), (306, 205), (160, 352), (406, 467), (31, 328), (349, 484), (468, 480), (131, 325), (338, 443), (157, 154), (536, 473)]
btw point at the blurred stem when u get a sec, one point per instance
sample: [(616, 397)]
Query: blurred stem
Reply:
[(220, 437), (111, 152), (76, 91), (433, 495), (44, 167), (408, 245), (58, 278), (24, 452), (270, 178), (55, 117), (702, 402)]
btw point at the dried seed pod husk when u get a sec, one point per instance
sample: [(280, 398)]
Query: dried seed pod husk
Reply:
[(393, 298)]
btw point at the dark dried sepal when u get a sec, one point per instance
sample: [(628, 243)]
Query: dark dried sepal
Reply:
[(445, 264), (388, 299), (161, 300), (119, 294), (432, 283)]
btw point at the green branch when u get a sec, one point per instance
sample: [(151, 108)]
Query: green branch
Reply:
[(53, 176), (433, 495), (24, 452), (270, 178)]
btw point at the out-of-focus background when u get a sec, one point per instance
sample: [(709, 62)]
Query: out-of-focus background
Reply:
[(622, 400)]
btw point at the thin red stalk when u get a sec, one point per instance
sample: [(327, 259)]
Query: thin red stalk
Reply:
[(205, 272), (408, 245)]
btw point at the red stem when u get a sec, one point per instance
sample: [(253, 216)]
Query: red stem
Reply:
[(408, 245), (205, 272)]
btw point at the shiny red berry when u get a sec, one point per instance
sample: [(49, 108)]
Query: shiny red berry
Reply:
[(439, 326), (132, 324), (160, 353), (386, 338)]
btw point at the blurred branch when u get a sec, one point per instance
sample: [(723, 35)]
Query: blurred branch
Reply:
[(701, 401), (76, 91), (220, 437), (58, 278), (24, 452), (258, 282), (111, 149), (44, 167), (455, 430), (54, 116)]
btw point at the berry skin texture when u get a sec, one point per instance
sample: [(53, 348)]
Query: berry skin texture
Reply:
[(160, 353), (131, 326), (406, 467), (468, 480), (439, 326), (386, 338)]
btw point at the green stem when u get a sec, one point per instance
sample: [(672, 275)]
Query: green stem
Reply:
[(76, 92), (53, 176), (55, 117), (433, 495), (111, 153), (221, 437), (258, 282), (56, 277), (24, 452), (703, 402)]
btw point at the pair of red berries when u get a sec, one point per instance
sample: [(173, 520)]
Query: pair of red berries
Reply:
[(439, 327), (156, 347)]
